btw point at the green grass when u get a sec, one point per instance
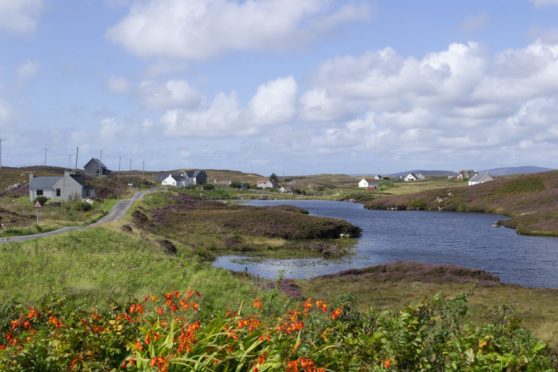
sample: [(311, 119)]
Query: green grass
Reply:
[(100, 266)]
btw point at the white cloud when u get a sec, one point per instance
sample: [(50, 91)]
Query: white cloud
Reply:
[(543, 3), (19, 16), (221, 118), (27, 70), (275, 102), (462, 100), (118, 84), (200, 29), (171, 94)]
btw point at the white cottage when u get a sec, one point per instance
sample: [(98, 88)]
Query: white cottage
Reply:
[(266, 184), (367, 183)]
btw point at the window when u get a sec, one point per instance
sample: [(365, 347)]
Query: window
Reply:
[(39, 192), (58, 192)]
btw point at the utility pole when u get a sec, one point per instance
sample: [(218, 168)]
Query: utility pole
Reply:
[(119, 162), (130, 165), (46, 150), (1, 139), (101, 158), (143, 169), (77, 155)]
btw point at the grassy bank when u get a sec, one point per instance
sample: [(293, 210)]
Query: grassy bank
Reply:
[(100, 266), (394, 286), (530, 201)]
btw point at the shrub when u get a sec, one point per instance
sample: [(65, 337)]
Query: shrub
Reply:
[(172, 332), (42, 200), (82, 206), (418, 204)]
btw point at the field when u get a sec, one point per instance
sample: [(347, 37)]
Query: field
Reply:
[(531, 201)]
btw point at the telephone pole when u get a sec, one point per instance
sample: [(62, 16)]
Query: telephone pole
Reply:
[(119, 162), (143, 169), (101, 158), (1, 140), (130, 165), (46, 150), (77, 154)]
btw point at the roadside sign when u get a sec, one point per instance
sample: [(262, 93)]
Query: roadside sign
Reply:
[(37, 205)]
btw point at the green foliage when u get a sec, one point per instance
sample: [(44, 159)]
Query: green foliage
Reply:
[(42, 200), (418, 204), (174, 332), (273, 178), (522, 185)]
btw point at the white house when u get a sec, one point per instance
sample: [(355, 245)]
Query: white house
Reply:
[(411, 177), (414, 177), (175, 180), (480, 178), (188, 178), (367, 183), (286, 190), (266, 184)]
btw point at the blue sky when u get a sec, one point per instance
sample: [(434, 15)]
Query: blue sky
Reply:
[(285, 86)]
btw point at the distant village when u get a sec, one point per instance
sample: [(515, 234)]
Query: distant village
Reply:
[(72, 185)]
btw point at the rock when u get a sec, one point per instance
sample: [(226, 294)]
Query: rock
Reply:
[(168, 247), (127, 228)]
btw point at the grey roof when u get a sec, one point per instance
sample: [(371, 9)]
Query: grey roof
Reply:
[(43, 183), (485, 177), (96, 161), (194, 173)]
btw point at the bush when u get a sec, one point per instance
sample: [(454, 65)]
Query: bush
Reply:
[(42, 200), (82, 206), (208, 186), (418, 204), (172, 332)]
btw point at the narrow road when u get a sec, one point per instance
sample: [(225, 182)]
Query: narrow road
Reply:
[(116, 213)]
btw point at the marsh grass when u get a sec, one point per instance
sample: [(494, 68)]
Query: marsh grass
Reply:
[(100, 266)]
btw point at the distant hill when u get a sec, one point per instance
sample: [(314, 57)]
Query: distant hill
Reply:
[(428, 173), (510, 171)]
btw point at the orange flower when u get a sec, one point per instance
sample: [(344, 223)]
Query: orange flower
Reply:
[(136, 308), (195, 306), (2, 347), (161, 363), (336, 313), (32, 313), (257, 303), (27, 324), (387, 363), (160, 310), (307, 305), (74, 362), (55, 321), (15, 324), (138, 346)]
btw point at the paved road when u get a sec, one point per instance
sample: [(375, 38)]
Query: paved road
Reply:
[(115, 214)]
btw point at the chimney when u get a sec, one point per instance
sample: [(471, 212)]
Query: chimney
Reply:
[(31, 176)]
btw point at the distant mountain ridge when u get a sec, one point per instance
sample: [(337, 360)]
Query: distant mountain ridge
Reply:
[(509, 171)]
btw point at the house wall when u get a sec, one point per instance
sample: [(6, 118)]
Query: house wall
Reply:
[(51, 194), (363, 184), (93, 170), (70, 189), (169, 181)]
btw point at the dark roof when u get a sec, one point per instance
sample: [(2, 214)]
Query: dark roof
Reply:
[(43, 183), (194, 173), (97, 162), (79, 179)]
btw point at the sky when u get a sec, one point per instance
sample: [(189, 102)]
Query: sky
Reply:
[(285, 86)]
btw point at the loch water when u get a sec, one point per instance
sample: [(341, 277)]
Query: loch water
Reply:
[(465, 239)]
